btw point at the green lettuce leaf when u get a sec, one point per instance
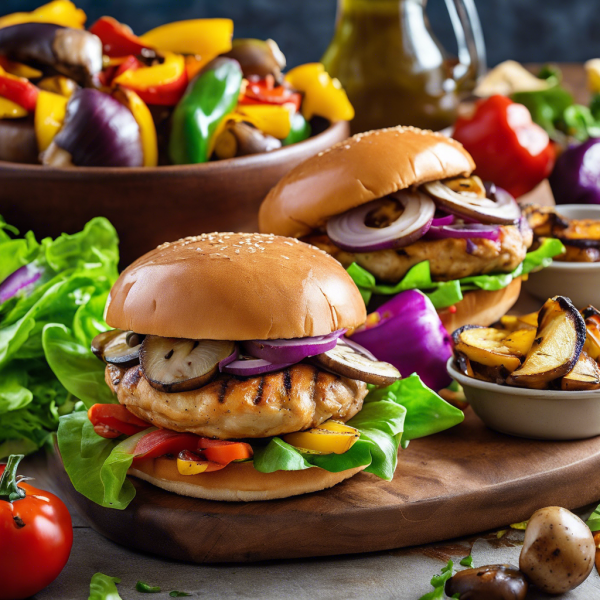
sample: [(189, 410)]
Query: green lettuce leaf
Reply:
[(102, 587), (403, 411), (594, 521), (447, 293), (46, 332)]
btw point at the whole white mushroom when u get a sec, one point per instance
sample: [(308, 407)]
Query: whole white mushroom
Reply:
[(558, 550)]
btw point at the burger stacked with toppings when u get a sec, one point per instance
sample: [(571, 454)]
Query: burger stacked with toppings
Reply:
[(401, 210), (235, 380)]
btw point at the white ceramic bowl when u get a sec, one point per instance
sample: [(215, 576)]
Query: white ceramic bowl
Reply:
[(578, 281), (536, 414)]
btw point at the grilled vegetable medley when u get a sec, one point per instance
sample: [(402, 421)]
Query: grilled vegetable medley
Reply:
[(182, 93), (555, 348)]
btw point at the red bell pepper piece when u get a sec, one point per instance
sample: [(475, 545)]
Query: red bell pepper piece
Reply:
[(113, 420), (163, 441), (264, 91), (18, 89), (224, 452), (117, 39), (508, 148)]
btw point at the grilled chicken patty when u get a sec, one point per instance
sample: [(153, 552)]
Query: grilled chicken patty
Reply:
[(449, 259), (294, 399)]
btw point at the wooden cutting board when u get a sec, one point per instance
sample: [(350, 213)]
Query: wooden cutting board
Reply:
[(456, 483)]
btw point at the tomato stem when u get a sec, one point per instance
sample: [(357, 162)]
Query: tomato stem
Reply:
[(9, 490)]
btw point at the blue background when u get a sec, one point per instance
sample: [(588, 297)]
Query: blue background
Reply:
[(525, 30)]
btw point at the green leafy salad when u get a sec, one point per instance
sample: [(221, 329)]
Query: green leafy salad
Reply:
[(52, 297)]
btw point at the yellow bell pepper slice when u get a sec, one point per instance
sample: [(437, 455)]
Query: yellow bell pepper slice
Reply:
[(269, 118), (323, 95), (19, 69), (592, 68), (191, 467), (50, 113), (10, 109), (330, 437), (59, 12), (143, 116), (206, 38), (58, 84)]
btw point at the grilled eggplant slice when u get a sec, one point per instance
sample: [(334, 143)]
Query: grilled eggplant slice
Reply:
[(584, 376), (178, 365), (486, 345), (118, 352), (347, 360), (557, 346)]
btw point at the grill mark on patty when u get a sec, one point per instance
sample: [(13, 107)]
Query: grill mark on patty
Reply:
[(287, 382), (259, 391), (223, 390), (315, 379)]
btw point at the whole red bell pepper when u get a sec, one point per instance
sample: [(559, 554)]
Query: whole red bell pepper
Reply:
[(508, 148), (19, 90), (117, 39)]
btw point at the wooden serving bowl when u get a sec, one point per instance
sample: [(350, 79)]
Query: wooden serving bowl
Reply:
[(149, 206)]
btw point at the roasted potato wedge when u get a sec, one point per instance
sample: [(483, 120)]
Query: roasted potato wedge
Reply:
[(582, 233), (513, 323), (519, 342), (592, 326), (556, 348), (584, 376), (485, 345), (497, 374)]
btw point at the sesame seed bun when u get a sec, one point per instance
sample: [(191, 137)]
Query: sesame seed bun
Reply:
[(238, 481), (363, 168), (235, 286)]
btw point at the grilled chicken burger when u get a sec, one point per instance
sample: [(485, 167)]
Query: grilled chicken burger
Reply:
[(401, 210), (232, 373)]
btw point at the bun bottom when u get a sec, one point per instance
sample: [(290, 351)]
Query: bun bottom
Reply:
[(237, 482), (480, 307)]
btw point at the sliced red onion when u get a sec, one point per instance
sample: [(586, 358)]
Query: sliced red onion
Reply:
[(464, 230), (249, 367), (294, 350), (22, 279), (445, 220), (410, 336), (500, 208), (349, 231), (227, 361)]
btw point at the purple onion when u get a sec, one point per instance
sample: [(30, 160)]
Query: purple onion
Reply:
[(445, 220), (98, 132), (22, 279), (349, 231), (576, 175), (410, 336), (464, 231), (227, 361), (249, 367), (293, 350)]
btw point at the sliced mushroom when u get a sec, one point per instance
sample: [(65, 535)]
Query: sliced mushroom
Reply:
[(118, 352), (557, 346), (179, 365), (241, 139), (350, 360), (584, 376), (258, 58), (492, 582), (101, 340)]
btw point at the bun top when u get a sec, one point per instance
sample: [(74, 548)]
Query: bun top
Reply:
[(365, 167), (235, 286)]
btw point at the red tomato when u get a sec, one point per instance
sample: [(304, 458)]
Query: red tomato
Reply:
[(36, 536)]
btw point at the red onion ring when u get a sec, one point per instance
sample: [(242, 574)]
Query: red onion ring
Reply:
[(227, 361), (21, 279), (249, 367), (349, 232), (464, 230), (292, 350), (445, 220)]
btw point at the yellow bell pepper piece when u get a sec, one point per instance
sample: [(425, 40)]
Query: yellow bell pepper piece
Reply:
[(50, 113), (19, 69), (190, 467), (592, 68), (10, 109), (143, 116), (269, 118), (59, 12), (206, 38), (330, 437), (149, 77), (323, 96), (58, 84)]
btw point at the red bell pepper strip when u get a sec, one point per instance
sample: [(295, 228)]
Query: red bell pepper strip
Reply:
[(508, 148), (117, 39), (113, 420), (163, 441), (224, 452), (19, 90), (264, 91)]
